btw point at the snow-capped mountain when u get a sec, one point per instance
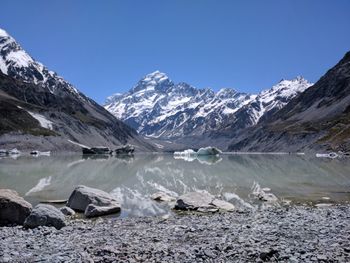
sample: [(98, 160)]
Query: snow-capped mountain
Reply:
[(266, 103), (317, 120), (40, 109), (16, 63), (159, 108)]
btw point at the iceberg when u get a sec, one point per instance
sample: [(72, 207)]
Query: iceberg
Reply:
[(331, 155), (208, 151), (207, 155), (186, 153), (201, 152)]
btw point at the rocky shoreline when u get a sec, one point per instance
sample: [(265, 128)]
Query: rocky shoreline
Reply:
[(276, 234)]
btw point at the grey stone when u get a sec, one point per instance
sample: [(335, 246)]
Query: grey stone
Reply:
[(202, 202), (94, 210), (322, 257), (45, 215), (162, 197), (223, 205), (67, 211), (83, 196), (195, 201), (13, 208)]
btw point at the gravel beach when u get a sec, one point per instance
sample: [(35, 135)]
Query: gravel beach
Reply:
[(294, 234)]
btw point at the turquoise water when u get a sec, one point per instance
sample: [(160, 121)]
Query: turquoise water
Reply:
[(299, 179)]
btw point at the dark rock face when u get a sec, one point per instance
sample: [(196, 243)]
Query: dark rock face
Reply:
[(93, 202), (45, 215), (319, 118), (29, 89), (13, 208)]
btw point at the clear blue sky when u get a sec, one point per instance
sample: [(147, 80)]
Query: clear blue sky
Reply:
[(103, 47)]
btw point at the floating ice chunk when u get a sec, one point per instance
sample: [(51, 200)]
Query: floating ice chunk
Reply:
[(208, 151), (14, 151), (202, 151), (208, 155), (331, 155), (38, 153), (185, 153)]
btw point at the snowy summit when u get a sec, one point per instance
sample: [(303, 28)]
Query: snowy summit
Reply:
[(157, 107)]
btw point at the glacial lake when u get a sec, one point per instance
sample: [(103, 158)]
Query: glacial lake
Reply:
[(293, 179)]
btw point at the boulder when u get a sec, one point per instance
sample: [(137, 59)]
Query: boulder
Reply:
[(83, 196), (95, 210), (202, 202), (223, 205), (162, 197), (45, 215), (13, 208), (67, 211)]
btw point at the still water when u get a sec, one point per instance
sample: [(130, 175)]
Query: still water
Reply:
[(299, 179)]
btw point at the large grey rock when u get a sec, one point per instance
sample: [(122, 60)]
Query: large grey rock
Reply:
[(202, 202), (45, 215), (13, 208), (223, 205), (195, 201), (94, 210), (83, 196)]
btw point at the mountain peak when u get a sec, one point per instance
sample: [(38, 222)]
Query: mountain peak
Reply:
[(3, 33), (156, 76), (16, 63), (153, 81)]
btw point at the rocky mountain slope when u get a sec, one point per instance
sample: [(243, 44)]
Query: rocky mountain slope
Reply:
[(318, 118), (161, 109), (40, 110)]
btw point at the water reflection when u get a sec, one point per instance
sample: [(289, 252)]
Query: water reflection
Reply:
[(133, 179), (203, 159)]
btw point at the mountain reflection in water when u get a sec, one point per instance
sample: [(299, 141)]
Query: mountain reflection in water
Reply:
[(133, 179)]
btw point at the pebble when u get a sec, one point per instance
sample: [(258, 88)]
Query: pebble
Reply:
[(299, 234)]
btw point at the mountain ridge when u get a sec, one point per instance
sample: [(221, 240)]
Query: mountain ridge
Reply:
[(40, 96), (162, 109), (317, 119)]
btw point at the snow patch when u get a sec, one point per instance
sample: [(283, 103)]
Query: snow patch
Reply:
[(45, 123), (3, 33), (20, 58)]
